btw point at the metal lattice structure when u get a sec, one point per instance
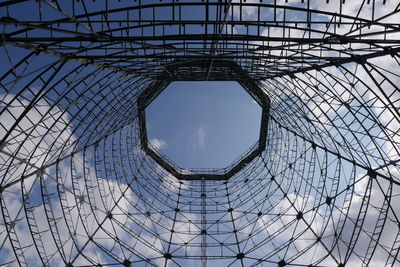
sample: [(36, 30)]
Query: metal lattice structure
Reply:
[(78, 189), (247, 84)]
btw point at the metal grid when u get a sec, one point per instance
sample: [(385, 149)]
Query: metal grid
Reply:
[(77, 189), (230, 71)]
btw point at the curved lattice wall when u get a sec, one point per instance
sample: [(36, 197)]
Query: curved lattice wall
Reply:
[(77, 189)]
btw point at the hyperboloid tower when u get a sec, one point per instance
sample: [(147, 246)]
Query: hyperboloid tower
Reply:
[(82, 185)]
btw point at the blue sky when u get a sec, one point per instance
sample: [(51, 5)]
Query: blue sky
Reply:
[(203, 124), (197, 124)]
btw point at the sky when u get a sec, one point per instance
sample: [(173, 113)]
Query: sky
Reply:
[(203, 124), (211, 121)]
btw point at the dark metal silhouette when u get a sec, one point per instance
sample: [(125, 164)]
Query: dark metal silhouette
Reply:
[(78, 189), (231, 71)]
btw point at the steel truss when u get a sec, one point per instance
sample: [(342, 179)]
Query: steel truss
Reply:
[(78, 189)]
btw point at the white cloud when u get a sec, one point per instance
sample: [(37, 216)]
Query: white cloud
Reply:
[(200, 136), (248, 11), (158, 143), (25, 142)]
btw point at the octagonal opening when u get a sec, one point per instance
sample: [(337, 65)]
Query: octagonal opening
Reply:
[(203, 125), (228, 82)]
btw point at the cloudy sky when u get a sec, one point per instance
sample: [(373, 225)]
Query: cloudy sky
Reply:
[(198, 125), (203, 124)]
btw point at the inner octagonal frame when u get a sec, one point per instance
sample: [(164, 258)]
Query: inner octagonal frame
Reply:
[(204, 70)]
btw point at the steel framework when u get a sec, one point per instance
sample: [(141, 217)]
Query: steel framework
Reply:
[(77, 189), (233, 72)]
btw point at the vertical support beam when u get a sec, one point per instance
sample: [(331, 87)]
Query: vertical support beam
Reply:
[(203, 223)]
